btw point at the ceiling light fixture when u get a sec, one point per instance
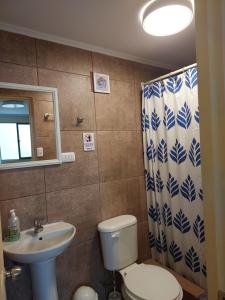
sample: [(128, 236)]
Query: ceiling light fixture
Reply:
[(166, 17), (12, 104)]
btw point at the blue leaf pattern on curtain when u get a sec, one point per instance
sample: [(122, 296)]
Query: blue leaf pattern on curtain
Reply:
[(169, 118), (184, 116), (151, 239), (151, 151), (172, 186), (204, 270), (178, 153), (174, 84), (162, 151), (150, 183), (155, 121), (188, 189), (171, 140), (181, 222), (156, 89), (196, 116), (144, 121), (194, 153), (192, 260), (200, 193), (199, 230), (175, 251), (167, 215), (159, 182), (191, 78)]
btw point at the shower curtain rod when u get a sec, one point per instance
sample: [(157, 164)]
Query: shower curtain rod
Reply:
[(169, 74)]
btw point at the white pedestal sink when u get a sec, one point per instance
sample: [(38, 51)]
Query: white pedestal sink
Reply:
[(40, 250)]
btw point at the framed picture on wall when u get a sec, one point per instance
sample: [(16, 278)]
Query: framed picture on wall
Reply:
[(101, 83)]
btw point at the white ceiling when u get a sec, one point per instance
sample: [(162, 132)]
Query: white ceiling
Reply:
[(107, 26)]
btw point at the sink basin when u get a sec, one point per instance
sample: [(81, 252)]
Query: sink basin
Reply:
[(49, 243), (40, 250)]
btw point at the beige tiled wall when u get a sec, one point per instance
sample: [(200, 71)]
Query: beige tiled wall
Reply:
[(98, 185)]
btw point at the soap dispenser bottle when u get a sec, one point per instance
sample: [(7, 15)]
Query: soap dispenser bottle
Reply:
[(13, 227)]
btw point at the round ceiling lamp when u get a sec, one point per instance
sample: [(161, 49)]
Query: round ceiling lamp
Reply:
[(167, 17)]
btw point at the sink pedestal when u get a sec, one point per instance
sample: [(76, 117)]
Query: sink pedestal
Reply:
[(44, 280)]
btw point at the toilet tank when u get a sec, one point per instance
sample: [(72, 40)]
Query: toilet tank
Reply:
[(119, 242)]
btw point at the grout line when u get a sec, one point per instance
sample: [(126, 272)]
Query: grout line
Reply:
[(46, 206), (99, 130), (98, 182), (22, 196), (96, 139), (61, 71), (17, 64), (84, 75), (38, 81), (36, 54)]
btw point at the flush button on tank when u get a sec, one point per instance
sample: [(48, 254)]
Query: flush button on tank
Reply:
[(115, 235)]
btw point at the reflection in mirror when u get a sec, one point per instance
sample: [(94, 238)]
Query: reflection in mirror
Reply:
[(15, 130), (27, 127)]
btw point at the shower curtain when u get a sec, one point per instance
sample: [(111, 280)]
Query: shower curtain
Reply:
[(170, 123)]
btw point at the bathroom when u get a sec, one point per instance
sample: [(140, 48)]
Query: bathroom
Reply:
[(61, 46)]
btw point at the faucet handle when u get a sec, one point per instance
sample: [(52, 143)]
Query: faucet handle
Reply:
[(38, 222)]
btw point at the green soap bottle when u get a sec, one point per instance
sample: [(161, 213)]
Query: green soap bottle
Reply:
[(13, 227)]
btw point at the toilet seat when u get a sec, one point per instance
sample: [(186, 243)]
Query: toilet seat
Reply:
[(150, 282)]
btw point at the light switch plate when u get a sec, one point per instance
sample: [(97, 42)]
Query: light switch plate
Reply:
[(68, 157), (40, 151)]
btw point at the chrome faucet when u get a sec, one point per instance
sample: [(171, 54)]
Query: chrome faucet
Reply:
[(38, 227)]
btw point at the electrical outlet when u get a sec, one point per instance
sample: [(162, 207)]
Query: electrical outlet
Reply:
[(68, 157), (221, 295)]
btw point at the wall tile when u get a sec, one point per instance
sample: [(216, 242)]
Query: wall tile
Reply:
[(81, 172), (144, 250), (73, 141), (143, 199), (120, 197), (118, 153), (42, 127), (116, 68), (63, 58), (16, 48), (27, 209), (79, 206), (143, 73), (75, 98), (18, 74), (116, 111), (140, 157), (21, 182), (86, 265), (138, 104), (48, 144)]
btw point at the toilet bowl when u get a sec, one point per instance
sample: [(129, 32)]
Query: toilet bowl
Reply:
[(149, 282), (140, 281)]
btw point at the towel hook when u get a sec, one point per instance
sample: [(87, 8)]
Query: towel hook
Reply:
[(79, 121)]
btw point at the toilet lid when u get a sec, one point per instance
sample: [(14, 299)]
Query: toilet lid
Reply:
[(149, 282)]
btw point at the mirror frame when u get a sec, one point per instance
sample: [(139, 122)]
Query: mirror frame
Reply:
[(35, 88)]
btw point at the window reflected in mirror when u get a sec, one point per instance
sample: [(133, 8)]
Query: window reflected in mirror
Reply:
[(27, 126)]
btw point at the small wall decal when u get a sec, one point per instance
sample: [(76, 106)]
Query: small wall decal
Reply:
[(101, 83), (89, 141)]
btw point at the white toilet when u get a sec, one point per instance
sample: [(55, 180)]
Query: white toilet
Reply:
[(140, 281)]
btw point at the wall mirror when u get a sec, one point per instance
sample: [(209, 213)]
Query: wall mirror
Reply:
[(29, 126)]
